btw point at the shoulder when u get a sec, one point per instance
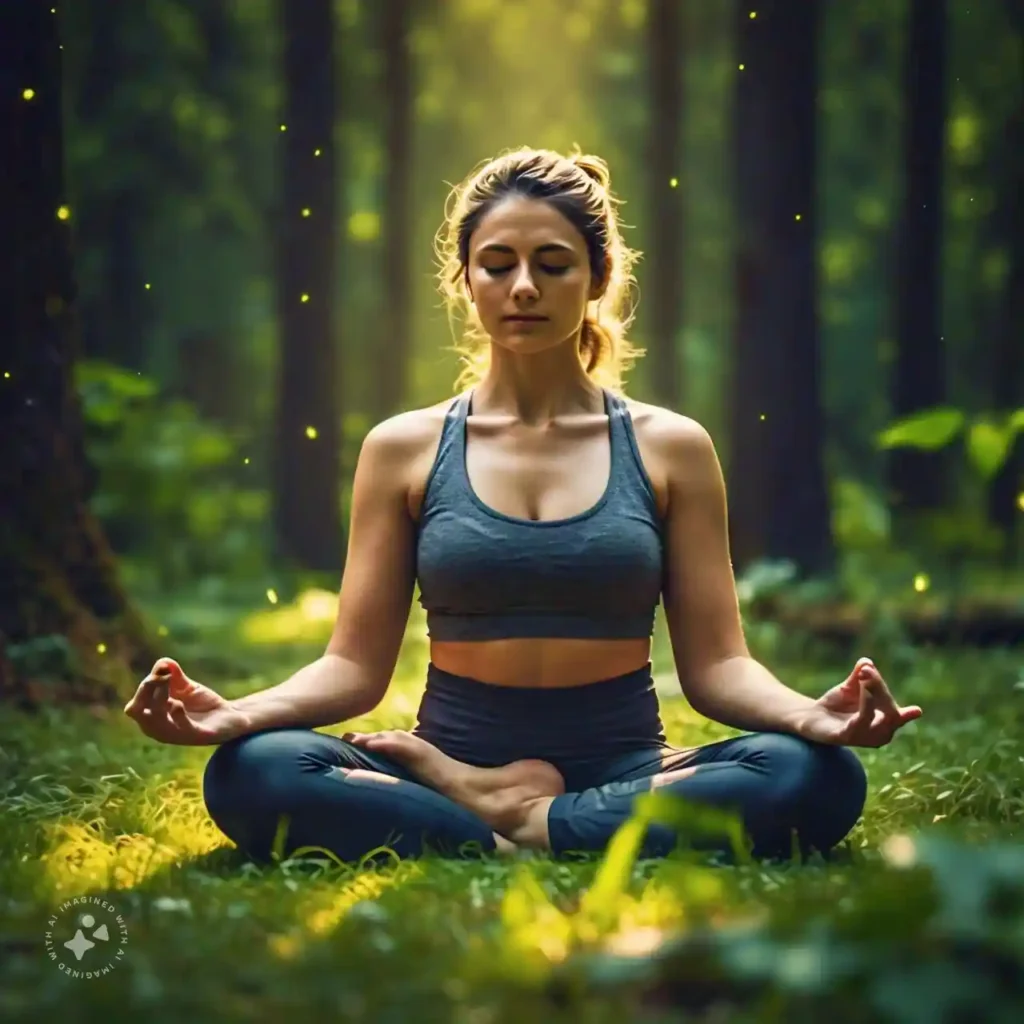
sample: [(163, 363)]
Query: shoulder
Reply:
[(669, 433), (678, 452), (402, 448), (406, 435)]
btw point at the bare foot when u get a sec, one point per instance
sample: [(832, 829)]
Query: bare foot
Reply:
[(501, 796)]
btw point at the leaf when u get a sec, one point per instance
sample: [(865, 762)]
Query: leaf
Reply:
[(930, 429), (987, 447)]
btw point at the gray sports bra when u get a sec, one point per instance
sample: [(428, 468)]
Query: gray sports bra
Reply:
[(484, 575)]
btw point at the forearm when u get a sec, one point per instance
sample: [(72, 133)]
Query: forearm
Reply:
[(740, 692), (329, 690)]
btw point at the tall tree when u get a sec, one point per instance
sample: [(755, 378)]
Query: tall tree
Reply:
[(306, 464), (116, 316), (394, 349), (665, 192), (917, 479), (778, 494), (1008, 390), (66, 628)]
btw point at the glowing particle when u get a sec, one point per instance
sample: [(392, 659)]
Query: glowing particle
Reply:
[(245, 461), (753, 15), (742, 66), (900, 851), (63, 212), (316, 152), (7, 376), (284, 127), (921, 582), (1020, 497), (311, 433), (28, 94), (272, 595), (101, 648), (162, 630), (148, 286), (762, 417), (306, 211), (799, 216), (673, 182), (305, 297)]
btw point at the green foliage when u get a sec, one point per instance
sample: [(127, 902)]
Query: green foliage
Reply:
[(929, 430), (44, 657), (989, 439), (934, 935), (172, 488)]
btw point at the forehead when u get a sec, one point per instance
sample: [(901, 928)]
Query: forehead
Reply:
[(524, 223)]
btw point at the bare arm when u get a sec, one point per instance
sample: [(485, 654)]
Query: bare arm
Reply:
[(353, 674), (718, 676)]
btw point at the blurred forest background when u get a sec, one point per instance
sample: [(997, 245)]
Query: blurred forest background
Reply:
[(827, 196), (218, 274)]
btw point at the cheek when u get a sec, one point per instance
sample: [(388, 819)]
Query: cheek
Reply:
[(488, 293)]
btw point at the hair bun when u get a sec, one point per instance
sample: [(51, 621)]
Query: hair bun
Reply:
[(593, 167)]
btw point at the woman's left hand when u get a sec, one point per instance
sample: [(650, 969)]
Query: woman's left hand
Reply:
[(859, 712)]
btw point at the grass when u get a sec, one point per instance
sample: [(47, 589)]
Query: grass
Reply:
[(89, 806)]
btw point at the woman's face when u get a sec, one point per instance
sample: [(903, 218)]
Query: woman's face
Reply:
[(529, 275)]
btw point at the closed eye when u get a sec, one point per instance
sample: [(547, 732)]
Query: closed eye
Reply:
[(496, 271)]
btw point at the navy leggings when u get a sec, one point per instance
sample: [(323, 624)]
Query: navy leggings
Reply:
[(606, 740)]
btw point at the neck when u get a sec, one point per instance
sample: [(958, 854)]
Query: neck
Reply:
[(536, 388)]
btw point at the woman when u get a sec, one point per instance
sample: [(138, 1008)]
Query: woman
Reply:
[(543, 515)]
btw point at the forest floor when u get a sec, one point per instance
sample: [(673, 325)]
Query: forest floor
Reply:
[(923, 917)]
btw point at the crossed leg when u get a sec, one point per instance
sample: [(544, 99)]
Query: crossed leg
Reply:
[(514, 799), (334, 795), (394, 789), (779, 785)]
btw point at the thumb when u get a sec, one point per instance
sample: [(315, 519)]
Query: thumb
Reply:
[(859, 672)]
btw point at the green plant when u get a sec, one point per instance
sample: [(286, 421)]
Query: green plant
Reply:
[(963, 531), (172, 488)]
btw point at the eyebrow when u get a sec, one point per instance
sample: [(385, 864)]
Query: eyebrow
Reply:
[(549, 247)]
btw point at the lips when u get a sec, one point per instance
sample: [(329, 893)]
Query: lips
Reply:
[(526, 319)]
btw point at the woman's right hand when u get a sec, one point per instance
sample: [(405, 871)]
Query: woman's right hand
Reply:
[(172, 708)]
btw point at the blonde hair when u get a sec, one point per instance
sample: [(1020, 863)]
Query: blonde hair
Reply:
[(578, 186)]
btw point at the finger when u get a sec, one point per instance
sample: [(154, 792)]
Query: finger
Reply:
[(143, 697), (177, 713), (884, 699), (865, 709), (158, 705)]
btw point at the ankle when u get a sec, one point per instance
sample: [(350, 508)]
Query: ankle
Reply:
[(531, 826)]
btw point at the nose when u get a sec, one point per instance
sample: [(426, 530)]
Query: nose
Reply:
[(523, 287)]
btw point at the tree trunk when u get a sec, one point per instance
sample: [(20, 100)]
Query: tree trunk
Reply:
[(67, 631), (1008, 390), (778, 492), (306, 464), (116, 318), (917, 479), (665, 189), (394, 349)]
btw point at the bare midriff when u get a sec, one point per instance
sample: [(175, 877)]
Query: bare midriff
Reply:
[(542, 662)]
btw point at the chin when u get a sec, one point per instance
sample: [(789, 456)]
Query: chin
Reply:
[(523, 344)]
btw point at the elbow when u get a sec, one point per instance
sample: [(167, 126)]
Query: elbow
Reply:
[(703, 684)]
